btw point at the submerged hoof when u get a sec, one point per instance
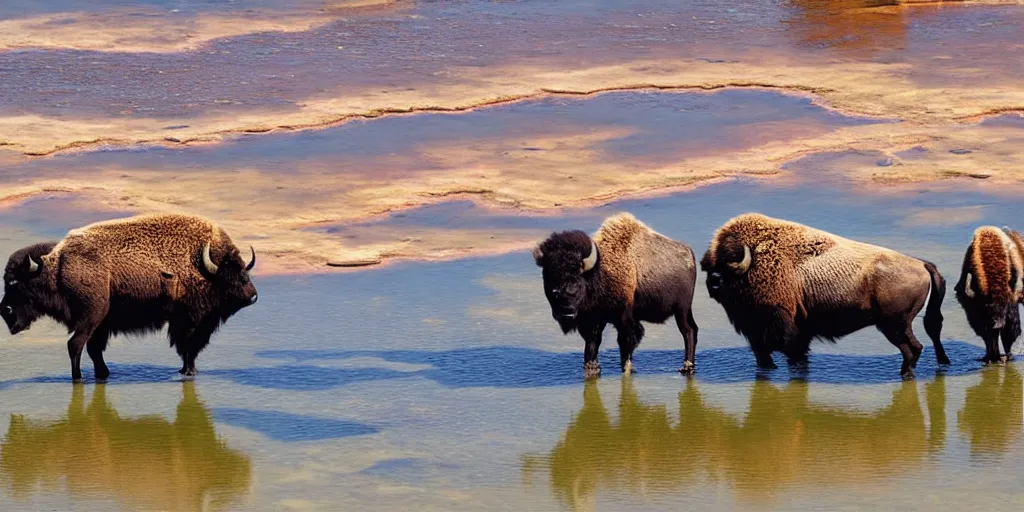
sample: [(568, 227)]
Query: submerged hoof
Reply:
[(688, 368), (627, 368), (1009, 357), (908, 375), (591, 370), (943, 359)]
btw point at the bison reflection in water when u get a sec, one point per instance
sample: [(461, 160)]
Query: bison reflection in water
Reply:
[(784, 441), (146, 462), (993, 412)]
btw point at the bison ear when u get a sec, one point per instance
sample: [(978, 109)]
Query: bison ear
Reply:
[(538, 256)]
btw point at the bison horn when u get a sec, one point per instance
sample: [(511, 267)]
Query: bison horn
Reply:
[(33, 267), (590, 261), (538, 256), (968, 291), (743, 265), (252, 262), (211, 267)]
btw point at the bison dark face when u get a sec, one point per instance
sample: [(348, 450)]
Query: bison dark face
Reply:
[(726, 268), (24, 293), (231, 279), (567, 259)]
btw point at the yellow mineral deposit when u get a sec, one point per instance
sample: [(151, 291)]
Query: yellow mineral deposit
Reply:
[(941, 113)]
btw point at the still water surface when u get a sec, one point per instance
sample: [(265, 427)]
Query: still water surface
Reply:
[(447, 386)]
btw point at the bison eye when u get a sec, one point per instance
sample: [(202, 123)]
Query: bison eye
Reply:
[(715, 280), (12, 282)]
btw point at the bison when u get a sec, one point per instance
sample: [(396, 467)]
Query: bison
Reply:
[(131, 275), (783, 284), (627, 273), (990, 287)]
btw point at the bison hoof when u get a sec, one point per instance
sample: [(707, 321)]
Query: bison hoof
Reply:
[(1010, 357), (1004, 359), (688, 368), (591, 369), (627, 368), (908, 375)]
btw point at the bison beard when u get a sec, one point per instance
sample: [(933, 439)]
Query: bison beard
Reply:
[(97, 292)]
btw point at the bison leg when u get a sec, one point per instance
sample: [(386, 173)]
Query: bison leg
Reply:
[(1011, 331), (178, 332), (629, 338), (903, 338), (764, 358), (592, 342), (76, 343), (200, 339), (688, 328), (797, 350), (95, 347), (991, 347)]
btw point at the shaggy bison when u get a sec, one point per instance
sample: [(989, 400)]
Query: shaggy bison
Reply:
[(990, 288), (783, 284), (625, 274), (130, 275)]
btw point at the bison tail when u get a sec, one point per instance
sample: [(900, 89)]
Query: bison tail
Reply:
[(933, 311)]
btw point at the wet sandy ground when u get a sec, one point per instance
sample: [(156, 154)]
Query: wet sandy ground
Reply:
[(503, 107)]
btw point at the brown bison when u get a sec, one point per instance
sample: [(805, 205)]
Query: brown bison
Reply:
[(990, 288), (783, 284), (625, 274), (130, 275)]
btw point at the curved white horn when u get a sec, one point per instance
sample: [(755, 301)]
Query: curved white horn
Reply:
[(743, 265), (968, 291), (207, 262), (33, 267), (590, 261), (252, 262)]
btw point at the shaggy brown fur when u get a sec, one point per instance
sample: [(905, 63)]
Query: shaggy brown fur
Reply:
[(129, 276), (638, 275), (990, 288), (800, 283)]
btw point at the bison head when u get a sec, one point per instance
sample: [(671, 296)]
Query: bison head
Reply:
[(567, 259), (725, 265), (25, 294), (231, 279)]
